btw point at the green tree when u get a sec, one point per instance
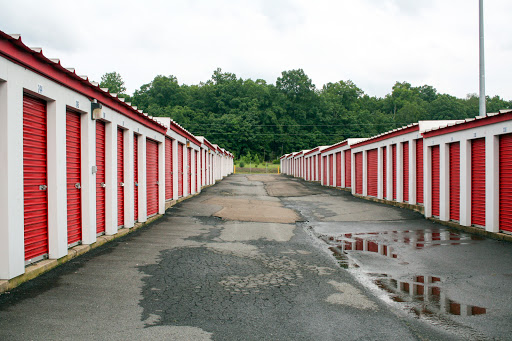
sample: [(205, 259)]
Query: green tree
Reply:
[(114, 82)]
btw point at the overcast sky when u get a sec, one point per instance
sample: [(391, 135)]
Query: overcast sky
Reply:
[(372, 42)]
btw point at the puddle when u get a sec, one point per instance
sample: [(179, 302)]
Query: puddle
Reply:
[(383, 242), (421, 295)]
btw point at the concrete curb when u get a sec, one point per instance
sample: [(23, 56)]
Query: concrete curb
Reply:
[(34, 270)]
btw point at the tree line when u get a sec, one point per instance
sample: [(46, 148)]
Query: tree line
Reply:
[(267, 120)]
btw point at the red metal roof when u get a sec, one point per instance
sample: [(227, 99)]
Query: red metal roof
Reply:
[(12, 48)]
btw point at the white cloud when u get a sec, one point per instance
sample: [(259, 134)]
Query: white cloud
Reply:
[(374, 43)]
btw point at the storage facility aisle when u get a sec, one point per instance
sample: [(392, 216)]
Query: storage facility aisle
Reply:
[(249, 258)]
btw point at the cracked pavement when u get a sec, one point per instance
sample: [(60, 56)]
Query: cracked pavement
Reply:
[(237, 262)]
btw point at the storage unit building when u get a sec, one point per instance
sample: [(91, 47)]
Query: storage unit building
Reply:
[(467, 172)]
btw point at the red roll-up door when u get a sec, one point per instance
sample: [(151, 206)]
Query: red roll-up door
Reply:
[(384, 173), (372, 174), (393, 162), (435, 181), (331, 170), (359, 173), (168, 168), (505, 182), (73, 177), (478, 182), (135, 177), (100, 177), (324, 182), (120, 177), (152, 177), (338, 169), (405, 179), (455, 181), (35, 178), (348, 169), (189, 169), (419, 171), (180, 169)]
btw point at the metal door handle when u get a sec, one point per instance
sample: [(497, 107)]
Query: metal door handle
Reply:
[(43, 187), (77, 185), (102, 184), (121, 184)]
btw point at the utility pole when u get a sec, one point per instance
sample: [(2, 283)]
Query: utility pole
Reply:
[(482, 110)]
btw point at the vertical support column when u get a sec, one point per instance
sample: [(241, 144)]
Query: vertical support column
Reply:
[(185, 170), (380, 175), (444, 181), (465, 182), (175, 169), (400, 172), (143, 203), (389, 170), (365, 173), (412, 171), (128, 179), (57, 194), (88, 144), (427, 179), (492, 182), (111, 178), (161, 177), (12, 249), (353, 173)]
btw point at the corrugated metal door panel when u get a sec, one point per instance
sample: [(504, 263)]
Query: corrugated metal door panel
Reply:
[(331, 169), (384, 172), (405, 179), (338, 169), (201, 167), (180, 169), (393, 162), (35, 175), (152, 177), (136, 177), (348, 168), (505, 177), (435, 181), (324, 181), (454, 181), (359, 173), (372, 162), (478, 182), (100, 177), (73, 177), (120, 177), (168, 168), (419, 171), (189, 169)]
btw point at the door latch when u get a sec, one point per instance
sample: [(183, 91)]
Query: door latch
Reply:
[(121, 184), (43, 187), (102, 184), (77, 185), (137, 184)]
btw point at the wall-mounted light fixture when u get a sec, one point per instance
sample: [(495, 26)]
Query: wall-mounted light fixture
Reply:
[(188, 144), (96, 110)]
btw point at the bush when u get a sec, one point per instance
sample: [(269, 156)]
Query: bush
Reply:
[(241, 165), (276, 162)]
